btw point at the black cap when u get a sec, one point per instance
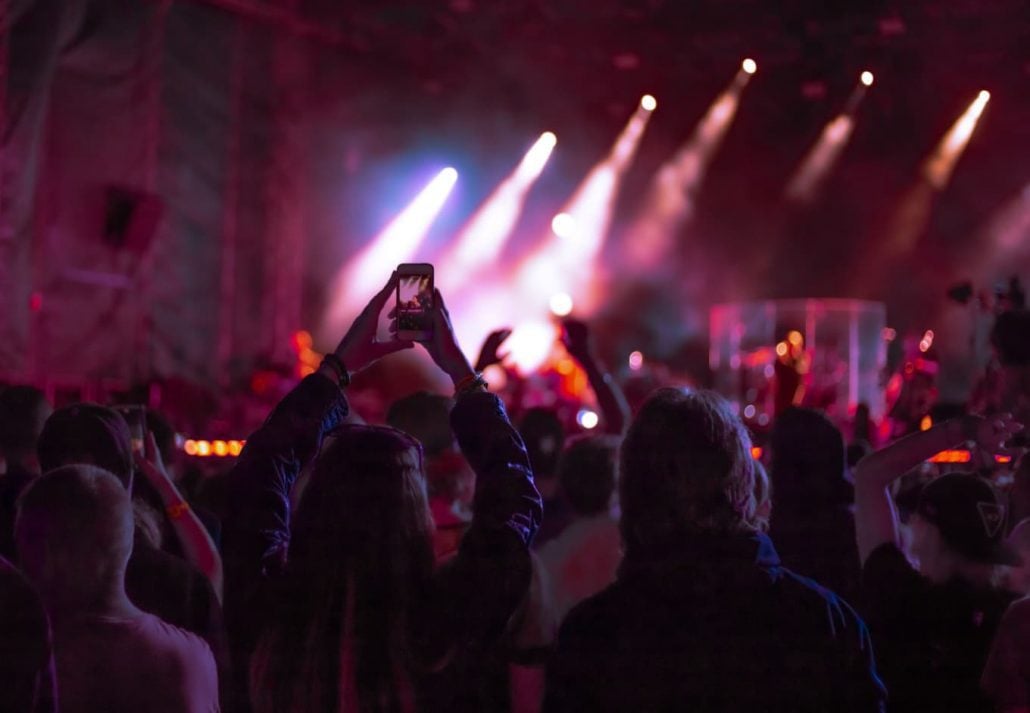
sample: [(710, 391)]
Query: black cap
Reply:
[(970, 515), (87, 433)]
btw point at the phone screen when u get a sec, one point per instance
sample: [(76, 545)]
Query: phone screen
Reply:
[(414, 306), (136, 417)]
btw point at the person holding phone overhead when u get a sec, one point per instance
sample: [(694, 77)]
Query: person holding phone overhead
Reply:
[(340, 607)]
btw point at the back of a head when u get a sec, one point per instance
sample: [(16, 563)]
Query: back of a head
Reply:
[(74, 530), (544, 435), (361, 544), (87, 433), (23, 411), (367, 493), (686, 468), (426, 418), (587, 472), (809, 462)]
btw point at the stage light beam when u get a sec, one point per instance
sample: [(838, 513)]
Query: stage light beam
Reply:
[(670, 199), (398, 242), (648, 103), (811, 174), (479, 243), (939, 167), (563, 262)]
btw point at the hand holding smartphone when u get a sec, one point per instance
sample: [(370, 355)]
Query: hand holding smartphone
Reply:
[(414, 310)]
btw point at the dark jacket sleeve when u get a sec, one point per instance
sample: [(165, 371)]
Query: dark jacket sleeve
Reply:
[(861, 689), (256, 531), (485, 583)]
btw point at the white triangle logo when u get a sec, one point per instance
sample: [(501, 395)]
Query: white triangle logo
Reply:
[(992, 516)]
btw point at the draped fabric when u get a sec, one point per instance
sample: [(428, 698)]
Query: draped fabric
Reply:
[(188, 110)]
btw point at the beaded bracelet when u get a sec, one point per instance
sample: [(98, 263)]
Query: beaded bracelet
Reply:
[(177, 510), (336, 364), (472, 382)]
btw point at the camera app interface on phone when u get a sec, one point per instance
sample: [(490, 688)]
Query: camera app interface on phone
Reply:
[(414, 302)]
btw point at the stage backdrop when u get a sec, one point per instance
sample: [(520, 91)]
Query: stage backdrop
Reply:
[(153, 198)]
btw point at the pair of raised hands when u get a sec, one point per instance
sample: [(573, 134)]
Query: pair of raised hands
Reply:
[(359, 347), (575, 337)]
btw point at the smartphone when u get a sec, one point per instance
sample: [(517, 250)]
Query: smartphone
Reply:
[(415, 301), (136, 417)]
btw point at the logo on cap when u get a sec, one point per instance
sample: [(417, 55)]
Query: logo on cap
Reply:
[(992, 516)]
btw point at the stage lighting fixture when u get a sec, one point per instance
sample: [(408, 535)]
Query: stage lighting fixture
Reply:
[(867, 78), (561, 304), (587, 419), (648, 103), (563, 225), (749, 66)]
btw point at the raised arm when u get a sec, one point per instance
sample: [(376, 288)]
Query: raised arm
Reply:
[(257, 529), (197, 546), (485, 582), (875, 515), (610, 399)]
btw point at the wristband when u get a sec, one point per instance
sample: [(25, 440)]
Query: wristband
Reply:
[(470, 383), (336, 364), (176, 511)]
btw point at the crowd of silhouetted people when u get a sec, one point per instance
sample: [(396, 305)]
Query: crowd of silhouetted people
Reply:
[(460, 559)]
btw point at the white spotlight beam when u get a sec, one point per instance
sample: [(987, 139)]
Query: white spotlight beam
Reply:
[(810, 175), (565, 261), (398, 242), (483, 237), (670, 201), (941, 164), (561, 266)]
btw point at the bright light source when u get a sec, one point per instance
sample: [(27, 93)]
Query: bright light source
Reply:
[(587, 419), (795, 338), (984, 96), (867, 78), (636, 361), (750, 411), (563, 225), (220, 448), (749, 66), (190, 446), (648, 103), (781, 349), (561, 304), (536, 158), (530, 344)]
